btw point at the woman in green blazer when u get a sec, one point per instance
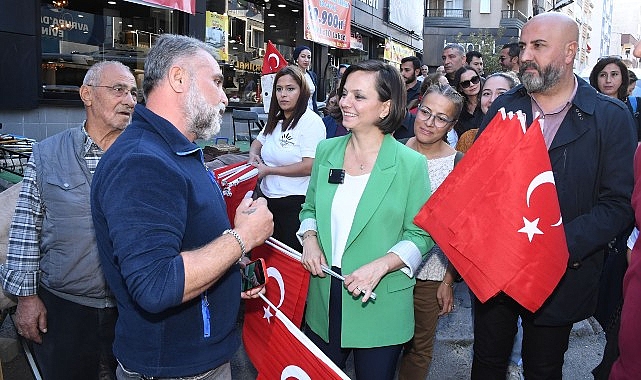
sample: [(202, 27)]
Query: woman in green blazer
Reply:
[(364, 192)]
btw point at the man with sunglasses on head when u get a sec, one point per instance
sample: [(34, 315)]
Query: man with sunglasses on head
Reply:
[(591, 142), (64, 305)]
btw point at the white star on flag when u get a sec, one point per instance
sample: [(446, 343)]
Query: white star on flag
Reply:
[(268, 314), (531, 228)]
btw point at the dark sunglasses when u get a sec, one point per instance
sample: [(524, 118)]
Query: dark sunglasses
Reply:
[(467, 83), (616, 57)]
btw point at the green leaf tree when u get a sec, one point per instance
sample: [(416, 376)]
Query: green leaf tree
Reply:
[(485, 42)]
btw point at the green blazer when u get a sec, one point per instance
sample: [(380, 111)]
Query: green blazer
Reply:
[(397, 188)]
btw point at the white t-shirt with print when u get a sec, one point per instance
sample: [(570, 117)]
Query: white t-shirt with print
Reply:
[(289, 147)]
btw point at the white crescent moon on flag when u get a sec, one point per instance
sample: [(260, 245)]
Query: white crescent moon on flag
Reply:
[(545, 177), (275, 274), (269, 57), (295, 372)]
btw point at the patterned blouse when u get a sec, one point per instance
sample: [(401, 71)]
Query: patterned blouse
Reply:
[(433, 267)]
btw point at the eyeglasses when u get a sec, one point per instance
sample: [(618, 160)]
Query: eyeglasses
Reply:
[(120, 90), (425, 115), (467, 83)]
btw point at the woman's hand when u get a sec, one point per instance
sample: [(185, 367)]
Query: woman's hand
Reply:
[(364, 280), (313, 258), (445, 298)]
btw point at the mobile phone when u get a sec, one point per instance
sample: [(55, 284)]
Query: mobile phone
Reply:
[(253, 275)]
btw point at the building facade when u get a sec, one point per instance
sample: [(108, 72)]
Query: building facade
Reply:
[(46, 48)]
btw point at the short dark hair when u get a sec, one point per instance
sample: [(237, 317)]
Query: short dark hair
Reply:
[(389, 86), (415, 61), (472, 54), (514, 47), (622, 92)]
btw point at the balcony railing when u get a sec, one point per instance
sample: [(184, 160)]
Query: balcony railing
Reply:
[(511, 18), (513, 13), (442, 12)]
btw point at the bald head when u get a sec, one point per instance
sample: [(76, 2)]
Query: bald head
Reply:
[(560, 24), (548, 46)]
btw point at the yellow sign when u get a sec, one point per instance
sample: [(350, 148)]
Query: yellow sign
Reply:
[(394, 52), (216, 31)]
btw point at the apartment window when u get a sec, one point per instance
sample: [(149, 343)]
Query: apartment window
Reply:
[(484, 6)]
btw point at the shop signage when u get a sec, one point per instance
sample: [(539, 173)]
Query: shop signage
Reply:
[(216, 31), (62, 24), (188, 6), (371, 3), (328, 22), (394, 52)]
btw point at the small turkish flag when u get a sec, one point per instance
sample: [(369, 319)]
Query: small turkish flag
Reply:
[(287, 353), (287, 288), (273, 61), (498, 218), (235, 181)]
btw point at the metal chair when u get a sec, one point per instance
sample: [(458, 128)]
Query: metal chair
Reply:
[(248, 117)]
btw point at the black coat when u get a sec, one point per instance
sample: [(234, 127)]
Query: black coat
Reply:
[(591, 158)]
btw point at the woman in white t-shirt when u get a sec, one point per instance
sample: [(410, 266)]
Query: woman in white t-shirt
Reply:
[(284, 152)]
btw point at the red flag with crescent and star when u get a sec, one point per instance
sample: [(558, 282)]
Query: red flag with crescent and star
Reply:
[(286, 353), (497, 215), (286, 292), (273, 61)]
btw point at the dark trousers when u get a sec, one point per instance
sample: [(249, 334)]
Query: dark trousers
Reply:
[(495, 324), (78, 342), (369, 363), (286, 221)]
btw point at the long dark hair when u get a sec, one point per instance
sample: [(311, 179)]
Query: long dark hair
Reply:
[(276, 113), (622, 92)]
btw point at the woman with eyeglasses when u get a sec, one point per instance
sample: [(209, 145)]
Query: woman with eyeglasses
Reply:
[(468, 83), (434, 289)]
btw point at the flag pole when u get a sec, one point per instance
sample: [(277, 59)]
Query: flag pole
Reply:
[(291, 252)]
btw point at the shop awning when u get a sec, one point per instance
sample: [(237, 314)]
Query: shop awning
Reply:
[(188, 6)]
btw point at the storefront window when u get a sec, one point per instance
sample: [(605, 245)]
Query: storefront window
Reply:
[(238, 39), (85, 32)]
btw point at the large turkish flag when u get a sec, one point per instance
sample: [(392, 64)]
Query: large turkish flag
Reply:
[(497, 215)]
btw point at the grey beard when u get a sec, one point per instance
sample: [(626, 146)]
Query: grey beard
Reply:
[(544, 81), (203, 119)]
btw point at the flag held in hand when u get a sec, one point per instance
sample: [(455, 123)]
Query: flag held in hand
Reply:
[(497, 215)]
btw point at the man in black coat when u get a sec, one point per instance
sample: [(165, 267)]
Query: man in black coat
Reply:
[(591, 143)]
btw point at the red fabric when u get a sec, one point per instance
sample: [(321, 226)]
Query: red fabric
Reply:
[(273, 61), (188, 6), (628, 365), (478, 216), (285, 352), (287, 285), (235, 181), (274, 344)]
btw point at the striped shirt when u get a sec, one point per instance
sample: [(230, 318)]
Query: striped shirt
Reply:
[(20, 275)]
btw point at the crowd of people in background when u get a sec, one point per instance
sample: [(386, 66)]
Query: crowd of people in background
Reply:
[(108, 216)]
